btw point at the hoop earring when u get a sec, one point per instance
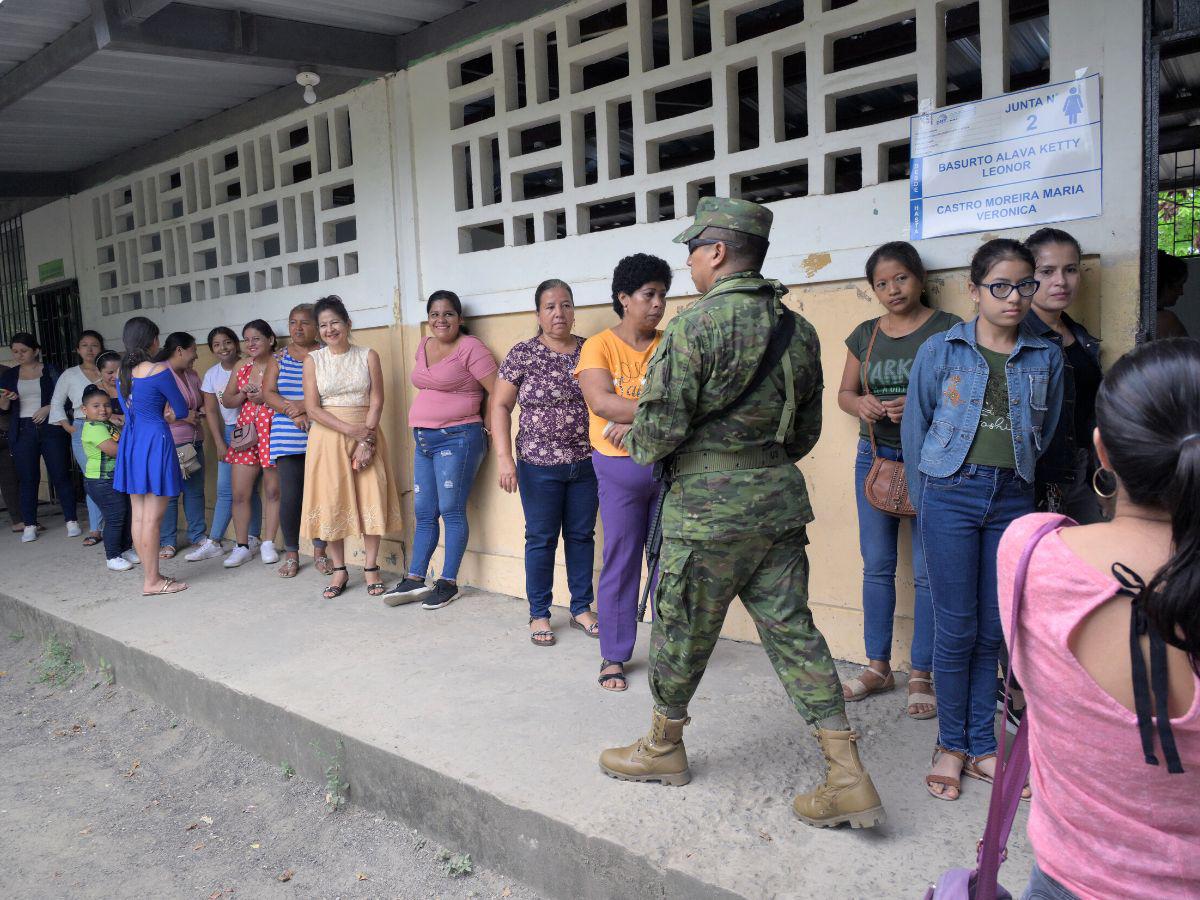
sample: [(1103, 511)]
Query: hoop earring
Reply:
[(1096, 486)]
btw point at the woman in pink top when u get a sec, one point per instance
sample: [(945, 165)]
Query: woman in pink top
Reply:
[(179, 353), (1115, 781), (452, 373)]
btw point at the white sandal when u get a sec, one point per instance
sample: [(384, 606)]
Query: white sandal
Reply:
[(860, 690), (919, 698)]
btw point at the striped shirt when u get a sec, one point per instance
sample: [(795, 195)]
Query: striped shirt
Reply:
[(286, 438)]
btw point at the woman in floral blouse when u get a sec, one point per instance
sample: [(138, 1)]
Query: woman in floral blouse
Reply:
[(553, 466)]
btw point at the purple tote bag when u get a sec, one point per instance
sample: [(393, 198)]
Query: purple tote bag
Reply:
[(981, 882)]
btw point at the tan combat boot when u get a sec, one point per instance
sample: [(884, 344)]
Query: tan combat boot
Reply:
[(659, 756), (847, 794)]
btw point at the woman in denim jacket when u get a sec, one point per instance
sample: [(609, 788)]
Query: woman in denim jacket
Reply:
[(983, 402)]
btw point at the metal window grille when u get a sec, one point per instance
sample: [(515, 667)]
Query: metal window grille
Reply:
[(14, 309)]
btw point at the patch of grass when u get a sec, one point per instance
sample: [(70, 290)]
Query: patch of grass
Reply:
[(16, 636), (56, 667), (459, 865), (287, 770), (337, 789), (108, 674)]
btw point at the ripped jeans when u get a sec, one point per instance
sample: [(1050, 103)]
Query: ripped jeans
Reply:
[(444, 467)]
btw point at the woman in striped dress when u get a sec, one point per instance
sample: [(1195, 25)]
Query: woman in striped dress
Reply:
[(283, 391)]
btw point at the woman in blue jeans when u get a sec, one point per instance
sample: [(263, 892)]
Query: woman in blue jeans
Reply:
[(983, 402), (874, 384), (179, 353), (221, 421), (453, 371), (68, 393), (553, 468)]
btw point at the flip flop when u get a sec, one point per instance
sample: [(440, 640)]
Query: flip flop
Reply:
[(169, 586), (322, 565), (289, 568), (592, 630), (548, 638)]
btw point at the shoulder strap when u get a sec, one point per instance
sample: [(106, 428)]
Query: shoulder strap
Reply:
[(866, 367), (777, 345)]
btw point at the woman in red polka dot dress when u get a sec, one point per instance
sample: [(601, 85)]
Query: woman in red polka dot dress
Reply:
[(245, 393)]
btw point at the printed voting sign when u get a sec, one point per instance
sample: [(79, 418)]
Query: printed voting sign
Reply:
[(1021, 159)]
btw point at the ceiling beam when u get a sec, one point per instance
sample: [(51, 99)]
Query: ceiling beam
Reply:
[(139, 10), (54, 59), (465, 25), (34, 184)]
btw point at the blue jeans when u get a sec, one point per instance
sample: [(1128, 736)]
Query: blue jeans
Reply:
[(118, 523), (1042, 887), (878, 536), (95, 515), (444, 467), (31, 443), (223, 509), (193, 508), (961, 519), (556, 499)]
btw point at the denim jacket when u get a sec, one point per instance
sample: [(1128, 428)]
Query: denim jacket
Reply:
[(945, 401), (1057, 464)]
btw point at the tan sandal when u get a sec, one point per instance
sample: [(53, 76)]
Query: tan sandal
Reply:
[(972, 770), (860, 690), (290, 567), (916, 698), (945, 780)]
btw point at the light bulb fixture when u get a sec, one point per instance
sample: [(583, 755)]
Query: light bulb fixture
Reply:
[(309, 80)]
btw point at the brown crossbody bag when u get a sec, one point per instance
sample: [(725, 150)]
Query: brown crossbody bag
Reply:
[(885, 487)]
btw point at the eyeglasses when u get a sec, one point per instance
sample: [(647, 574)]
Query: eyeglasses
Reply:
[(1001, 289), (694, 243)]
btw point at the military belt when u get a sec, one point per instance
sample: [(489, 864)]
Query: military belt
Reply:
[(699, 461)]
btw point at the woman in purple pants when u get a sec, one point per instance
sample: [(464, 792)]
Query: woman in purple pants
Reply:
[(611, 371)]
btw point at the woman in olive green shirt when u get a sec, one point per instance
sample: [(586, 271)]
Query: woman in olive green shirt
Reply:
[(897, 276)]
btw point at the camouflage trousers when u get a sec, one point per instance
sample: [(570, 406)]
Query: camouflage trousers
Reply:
[(698, 581)]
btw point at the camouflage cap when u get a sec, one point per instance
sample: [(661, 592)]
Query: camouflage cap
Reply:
[(726, 212)]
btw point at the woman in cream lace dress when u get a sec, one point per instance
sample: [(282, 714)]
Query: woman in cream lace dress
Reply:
[(347, 489)]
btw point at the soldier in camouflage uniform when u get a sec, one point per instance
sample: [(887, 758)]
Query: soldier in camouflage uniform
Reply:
[(734, 520)]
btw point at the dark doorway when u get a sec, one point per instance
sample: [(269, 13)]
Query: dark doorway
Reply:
[(57, 322)]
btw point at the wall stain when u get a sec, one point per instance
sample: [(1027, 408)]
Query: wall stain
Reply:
[(815, 262)]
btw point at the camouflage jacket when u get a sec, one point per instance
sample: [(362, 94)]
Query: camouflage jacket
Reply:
[(708, 354)]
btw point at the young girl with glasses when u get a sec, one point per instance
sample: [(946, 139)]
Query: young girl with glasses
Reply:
[(983, 401)]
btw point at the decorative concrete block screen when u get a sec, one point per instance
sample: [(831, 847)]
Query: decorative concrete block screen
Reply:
[(603, 114), (266, 209)]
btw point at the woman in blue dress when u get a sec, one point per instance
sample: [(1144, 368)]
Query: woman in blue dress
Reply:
[(147, 467)]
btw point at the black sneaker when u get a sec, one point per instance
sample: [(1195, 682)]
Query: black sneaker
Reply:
[(444, 593), (406, 591)]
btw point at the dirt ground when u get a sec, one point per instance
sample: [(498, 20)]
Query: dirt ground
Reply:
[(104, 794)]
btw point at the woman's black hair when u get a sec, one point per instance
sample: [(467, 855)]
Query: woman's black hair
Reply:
[(1043, 237), (24, 337), (263, 328), (139, 333), (223, 331), (995, 251), (548, 285), (176, 340), (451, 298), (333, 303), (1171, 270), (1148, 413), (633, 273), (87, 332), (905, 254), (106, 357), (93, 390)]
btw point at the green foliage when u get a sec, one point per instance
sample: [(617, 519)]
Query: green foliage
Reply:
[(459, 865), (16, 636), (107, 673), (1178, 212), (337, 789), (287, 770), (56, 667)]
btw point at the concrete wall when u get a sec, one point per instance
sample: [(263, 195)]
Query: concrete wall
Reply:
[(411, 209), (47, 232)]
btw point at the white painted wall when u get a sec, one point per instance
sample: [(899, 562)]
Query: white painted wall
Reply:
[(47, 232)]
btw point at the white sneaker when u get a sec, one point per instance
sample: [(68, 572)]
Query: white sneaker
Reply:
[(131, 557), (254, 543), (237, 556), (119, 564), (267, 553), (73, 529), (29, 534), (210, 549)]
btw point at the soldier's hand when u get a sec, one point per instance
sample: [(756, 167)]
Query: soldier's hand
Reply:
[(508, 474), (870, 408), (895, 409)]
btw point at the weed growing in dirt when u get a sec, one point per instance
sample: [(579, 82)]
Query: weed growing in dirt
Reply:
[(287, 770), (456, 865), (56, 667), (337, 790), (108, 674)]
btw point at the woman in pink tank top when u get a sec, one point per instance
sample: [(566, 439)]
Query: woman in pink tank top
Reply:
[(1108, 647)]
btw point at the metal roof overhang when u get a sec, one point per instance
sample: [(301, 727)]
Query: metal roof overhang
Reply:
[(93, 88)]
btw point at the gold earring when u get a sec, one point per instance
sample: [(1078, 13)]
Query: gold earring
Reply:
[(1096, 486)]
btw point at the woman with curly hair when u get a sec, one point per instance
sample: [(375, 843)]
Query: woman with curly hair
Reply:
[(611, 372)]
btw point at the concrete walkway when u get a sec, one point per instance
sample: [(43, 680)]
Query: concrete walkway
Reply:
[(455, 724)]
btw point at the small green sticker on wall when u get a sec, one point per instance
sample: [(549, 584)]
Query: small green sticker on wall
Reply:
[(48, 271)]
